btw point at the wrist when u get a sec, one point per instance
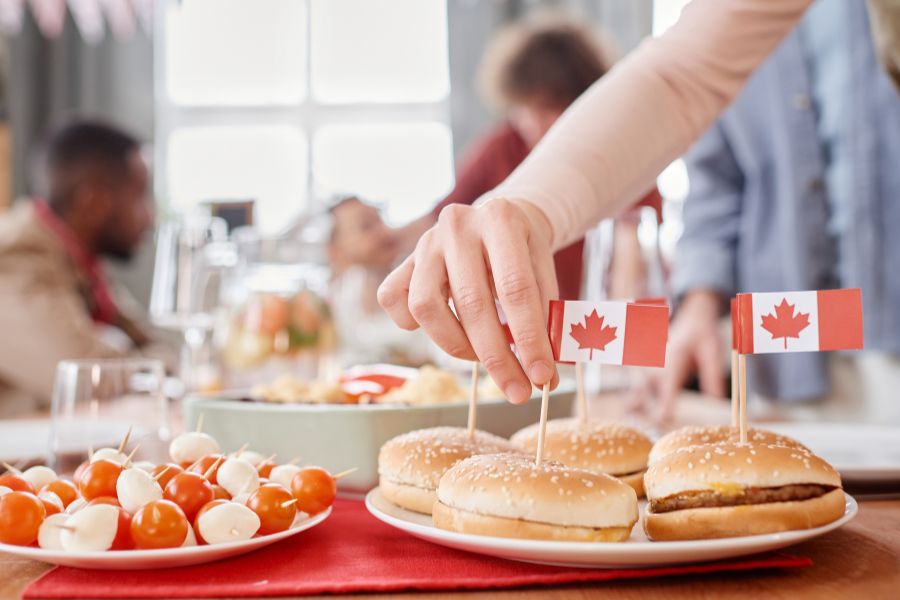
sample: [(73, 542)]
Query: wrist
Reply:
[(538, 221)]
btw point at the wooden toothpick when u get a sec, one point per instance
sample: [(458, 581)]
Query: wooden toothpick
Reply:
[(742, 395), (212, 468), (11, 469), (159, 475), (131, 455), (473, 400), (239, 451), (199, 428), (579, 392), (343, 474), (542, 430), (289, 503), (295, 461), (124, 441), (735, 391)]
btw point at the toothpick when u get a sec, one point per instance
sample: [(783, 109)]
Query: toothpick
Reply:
[(295, 461), (579, 392), (545, 402), (742, 413), (159, 475), (343, 474), (234, 531), (199, 428), (289, 503), (124, 441), (131, 455), (270, 458), (90, 451), (11, 469), (212, 468), (735, 390), (239, 451), (473, 400)]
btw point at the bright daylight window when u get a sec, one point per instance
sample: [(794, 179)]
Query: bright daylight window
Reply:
[(288, 102)]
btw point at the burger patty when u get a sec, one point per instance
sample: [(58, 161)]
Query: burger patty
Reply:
[(750, 495)]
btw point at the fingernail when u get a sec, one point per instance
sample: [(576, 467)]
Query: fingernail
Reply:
[(540, 372), (517, 393)]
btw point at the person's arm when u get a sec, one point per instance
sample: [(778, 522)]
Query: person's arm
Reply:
[(601, 154)]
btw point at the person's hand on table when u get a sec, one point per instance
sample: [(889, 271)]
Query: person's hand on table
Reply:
[(694, 346), (499, 249)]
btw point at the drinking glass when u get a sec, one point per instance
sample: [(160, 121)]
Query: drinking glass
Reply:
[(94, 404)]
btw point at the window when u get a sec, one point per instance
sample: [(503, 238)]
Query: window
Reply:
[(288, 102)]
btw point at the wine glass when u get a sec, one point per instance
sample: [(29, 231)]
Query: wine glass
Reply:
[(96, 402)]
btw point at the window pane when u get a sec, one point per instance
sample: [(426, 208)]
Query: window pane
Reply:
[(405, 167), (236, 52), (264, 163), (379, 50)]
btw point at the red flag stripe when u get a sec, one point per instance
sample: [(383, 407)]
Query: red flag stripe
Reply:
[(745, 323), (646, 334), (840, 319), (734, 324), (555, 325)]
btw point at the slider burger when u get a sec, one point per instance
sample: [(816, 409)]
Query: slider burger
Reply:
[(613, 449), (694, 435), (508, 495), (730, 490), (411, 465)]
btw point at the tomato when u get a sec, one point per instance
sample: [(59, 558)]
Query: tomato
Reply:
[(123, 539), (66, 490), (79, 472), (21, 515), (17, 483), (204, 464), (51, 507), (265, 469), (190, 491), (171, 470), (159, 524), (112, 501), (99, 479), (220, 493), (275, 507), (314, 488), (206, 507)]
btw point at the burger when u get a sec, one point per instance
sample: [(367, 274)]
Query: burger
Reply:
[(411, 465), (730, 490), (508, 495), (613, 449), (694, 435)]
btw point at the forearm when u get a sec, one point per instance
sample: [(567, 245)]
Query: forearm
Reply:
[(606, 150)]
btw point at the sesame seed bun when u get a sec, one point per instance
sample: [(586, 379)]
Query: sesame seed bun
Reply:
[(609, 448), (410, 465), (508, 495), (745, 479), (695, 435)]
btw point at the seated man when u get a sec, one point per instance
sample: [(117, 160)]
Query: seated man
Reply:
[(796, 188), (55, 302)]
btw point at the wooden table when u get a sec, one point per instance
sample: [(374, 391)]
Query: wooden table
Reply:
[(859, 561)]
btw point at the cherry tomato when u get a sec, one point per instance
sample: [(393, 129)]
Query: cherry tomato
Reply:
[(171, 470), (21, 515), (190, 491), (79, 472), (50, 507), (66, 490), (99, 479), (275, 507), (159, 524), (17, 483), (265, 469), (200, 513), (203, 465), (185, 465), (123, 539), (105, 500), (220, 493), (314, 488)]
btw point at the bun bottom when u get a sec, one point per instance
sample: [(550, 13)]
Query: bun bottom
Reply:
[(636, 481), (463, 521), (409, 497), (749, 519)]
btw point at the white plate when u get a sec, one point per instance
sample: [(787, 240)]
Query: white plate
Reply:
[(638, 551), (862, 453), (158, 559)]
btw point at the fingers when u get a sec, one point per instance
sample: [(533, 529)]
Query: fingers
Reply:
[(393, 295), (474, 303)]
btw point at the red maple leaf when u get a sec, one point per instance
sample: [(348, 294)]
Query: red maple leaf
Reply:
[(784, 323), (593, 335)]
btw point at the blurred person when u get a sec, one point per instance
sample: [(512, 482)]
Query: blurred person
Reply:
[(55, 300), (530, 73), (795, 187)]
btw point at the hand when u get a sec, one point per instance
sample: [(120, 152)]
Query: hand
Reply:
[(499, 249), (694, 345)]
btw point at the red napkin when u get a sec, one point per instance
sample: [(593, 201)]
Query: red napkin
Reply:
[(351, 552)]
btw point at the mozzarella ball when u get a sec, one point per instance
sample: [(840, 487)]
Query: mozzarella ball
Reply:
[(135, 488), (238, 477), (190, 539), (49, 533), (39, 476), (144, 465), (254, 458), (93, 529), (110, 454), (76, 505), (229, 522), (192, 446), (52, 497), (283, 474)]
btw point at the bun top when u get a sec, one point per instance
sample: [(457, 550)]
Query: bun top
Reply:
[(727, 467), (420, 457), (514, 487), (695, 435), (603, 447)]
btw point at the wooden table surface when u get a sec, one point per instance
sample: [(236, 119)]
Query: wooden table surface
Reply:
[(860, 561)]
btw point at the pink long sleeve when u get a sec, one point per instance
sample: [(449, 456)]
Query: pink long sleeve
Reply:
[(606, 150)]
